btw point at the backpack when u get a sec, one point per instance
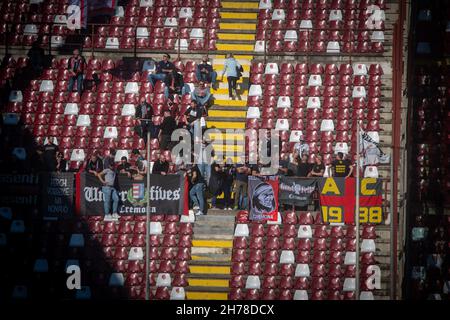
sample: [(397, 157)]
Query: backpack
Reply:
[(239, 71)]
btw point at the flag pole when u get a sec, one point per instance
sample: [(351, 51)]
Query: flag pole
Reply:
[(357, 213), (147, 222)]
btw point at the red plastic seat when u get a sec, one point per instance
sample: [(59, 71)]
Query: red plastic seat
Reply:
[(238, 268)]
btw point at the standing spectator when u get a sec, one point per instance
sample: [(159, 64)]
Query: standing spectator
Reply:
[(303, 167), (201, 94), (283, 166), (161, 166), (141, 165), (49, 155), (216, 183), (143, 112), (318, 168), (194, 114), (109, 158), (240, 185), (108, 178), (228, 171), (124, 167), (231, 69), (163, 69), (205, 72), (301, 147), (168, 126), (37, 58), (197, 189), (341, 167), (95, 164), (76, 68), (61, 163)]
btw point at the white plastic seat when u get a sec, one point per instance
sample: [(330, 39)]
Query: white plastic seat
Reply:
[(313, 102), (284, 102), (30, 29), (335, 15), (252, 282), (377, 36), (116, 279), (366, 295), (171, 22), (83, 120), (300, 295), (341, 147), (155, 227), (290, 35), (132, 87), (315, 80), (76, 240), (177, 293), (349, 284), (112, 43), (255, 90), (142, 32), (120, 12), (128, 110), (260, 46), (196, 33), (185, 12), (6, 213), (368, 245), (57, 41), (146, 3), (40, 265), (183, 44), (282, 124), (302, 270), (71, 108), (304, 232), (17, 226), (15, 96), (60, 19), (333, 47), (279, 219), (110, 133), (163, 280), (278, 14), (359, 92), (371, 172), (287, 257), (327, 125), (77, 155), (241, 230), (265, 4), (20, 153), (379, 15), (359, 69), (11, 119), (189, 218), (253, 113), (271, 68), (83, 294), (350, 258), (306, 24), (136, 253), (295, 136)]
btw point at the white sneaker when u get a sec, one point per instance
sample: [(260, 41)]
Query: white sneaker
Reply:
[(199, 213), (229, 208), (115, 216), (108, 217)]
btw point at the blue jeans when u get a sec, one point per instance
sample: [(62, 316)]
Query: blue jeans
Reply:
[(201, 100), (205, 77), (109, 192), (197, 195), (79, 80), (205, 170), (155, 77), (184, 90)]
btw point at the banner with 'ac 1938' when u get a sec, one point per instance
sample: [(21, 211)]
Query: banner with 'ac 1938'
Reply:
[(168, 195)]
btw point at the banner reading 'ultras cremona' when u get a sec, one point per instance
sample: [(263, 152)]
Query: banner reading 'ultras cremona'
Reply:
[(338, 200), (168, 195)]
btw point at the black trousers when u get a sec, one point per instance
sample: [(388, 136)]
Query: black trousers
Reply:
[(231, 85)]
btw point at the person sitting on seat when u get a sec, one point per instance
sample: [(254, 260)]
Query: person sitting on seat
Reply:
[(76, 68), (201, 93), (205, 72), (163, 69), (161, 166), (94, 164), (125, 167)]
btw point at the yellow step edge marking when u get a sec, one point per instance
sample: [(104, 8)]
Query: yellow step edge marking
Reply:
[(238, 15), (234, 36), (192, 295), (228, 147), (225, 91), (213, 243), (237, 56), (208, 283), (209, 270), (235, 103), (227, 137), (225, 125), (234, 47), (237, 26), (227, 113), (240, 5)]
